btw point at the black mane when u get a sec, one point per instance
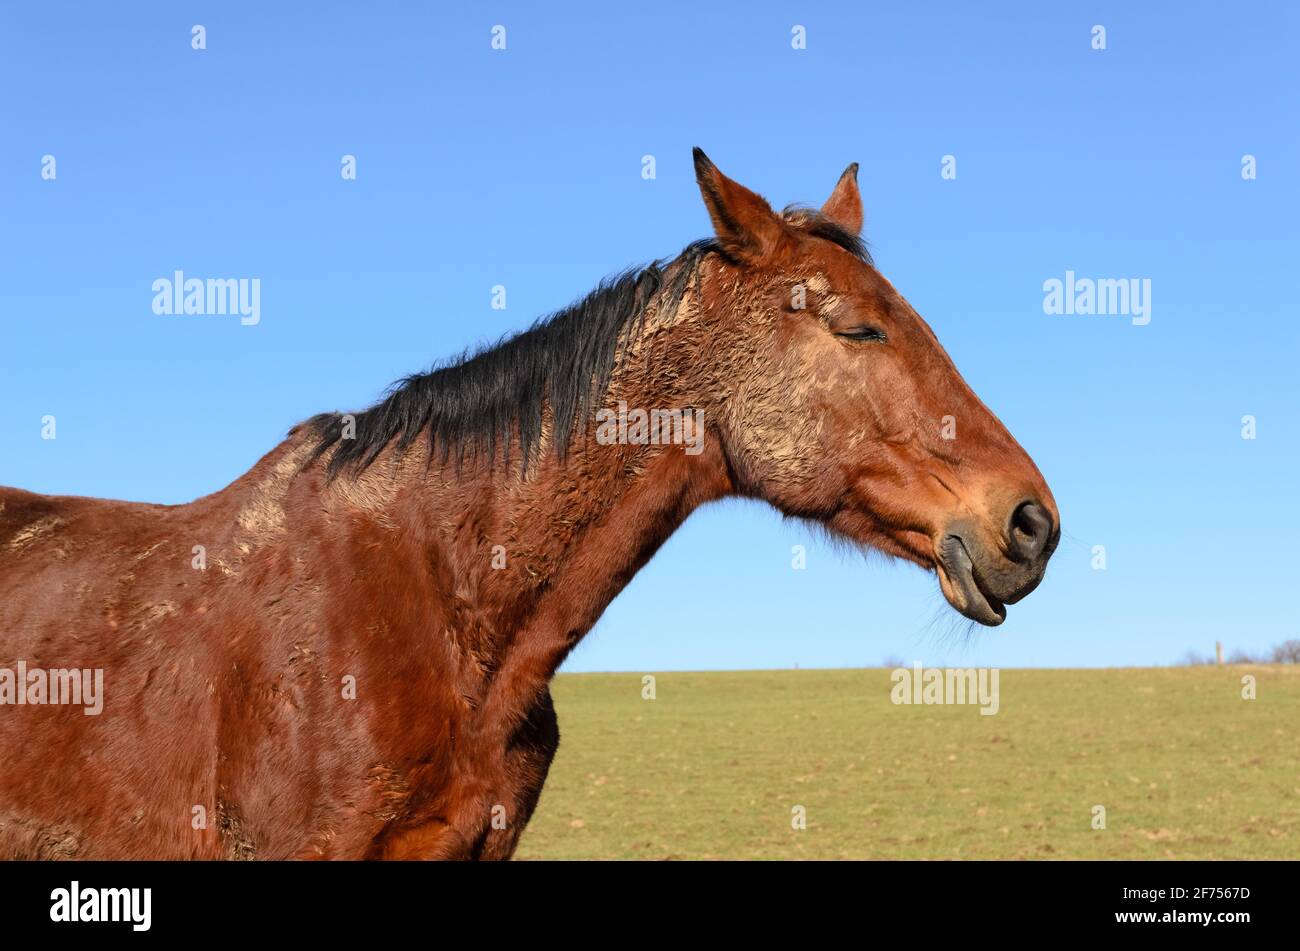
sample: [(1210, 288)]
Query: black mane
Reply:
[(479, 401)]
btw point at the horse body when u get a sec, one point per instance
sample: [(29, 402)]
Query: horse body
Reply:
[(227, 684), (216, 679), (346, 652)]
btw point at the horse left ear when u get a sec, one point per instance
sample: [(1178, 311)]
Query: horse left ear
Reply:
[(744, 222), (844, 207)]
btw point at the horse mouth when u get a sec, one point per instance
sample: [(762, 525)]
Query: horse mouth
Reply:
[(961, 584)]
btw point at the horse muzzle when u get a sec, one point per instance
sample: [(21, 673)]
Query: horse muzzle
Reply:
[(981, 576)]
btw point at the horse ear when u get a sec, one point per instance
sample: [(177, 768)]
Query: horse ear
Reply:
[(844, 207), (743, 221)]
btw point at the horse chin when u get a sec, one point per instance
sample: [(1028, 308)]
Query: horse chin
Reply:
[(961, 586), (959, 578)]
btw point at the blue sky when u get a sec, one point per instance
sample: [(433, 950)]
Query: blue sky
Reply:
[(522, 167)]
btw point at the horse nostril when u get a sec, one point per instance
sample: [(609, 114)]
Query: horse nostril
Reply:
[(1030, 530)]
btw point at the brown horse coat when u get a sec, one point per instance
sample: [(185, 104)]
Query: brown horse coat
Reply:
[(352, 662)]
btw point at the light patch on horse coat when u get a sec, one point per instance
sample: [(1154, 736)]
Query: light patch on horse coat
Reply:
[(374, 492), (150, 614), (818, 283), (263, 517), (34, 531), (149, 551)]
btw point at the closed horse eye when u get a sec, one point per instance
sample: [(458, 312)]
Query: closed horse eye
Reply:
[(862, 333)]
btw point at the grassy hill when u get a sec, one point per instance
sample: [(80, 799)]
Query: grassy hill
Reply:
[(714, 766)]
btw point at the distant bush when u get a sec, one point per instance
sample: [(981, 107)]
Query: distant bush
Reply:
[(1288, 652)]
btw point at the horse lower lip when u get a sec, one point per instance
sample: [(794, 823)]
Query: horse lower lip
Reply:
[(998, 609), (980, 605)]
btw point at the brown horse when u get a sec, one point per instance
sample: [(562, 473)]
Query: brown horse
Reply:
[(346, 653)]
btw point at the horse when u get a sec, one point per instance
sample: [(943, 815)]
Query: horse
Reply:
[(346, 653)]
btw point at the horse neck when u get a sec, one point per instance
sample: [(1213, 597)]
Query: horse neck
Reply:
[(584, 523), (543, 553)]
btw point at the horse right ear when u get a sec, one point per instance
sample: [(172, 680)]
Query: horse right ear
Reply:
[(744, 222), (844, 207)]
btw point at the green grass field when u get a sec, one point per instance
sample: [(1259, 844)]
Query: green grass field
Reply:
[(713, 767)]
